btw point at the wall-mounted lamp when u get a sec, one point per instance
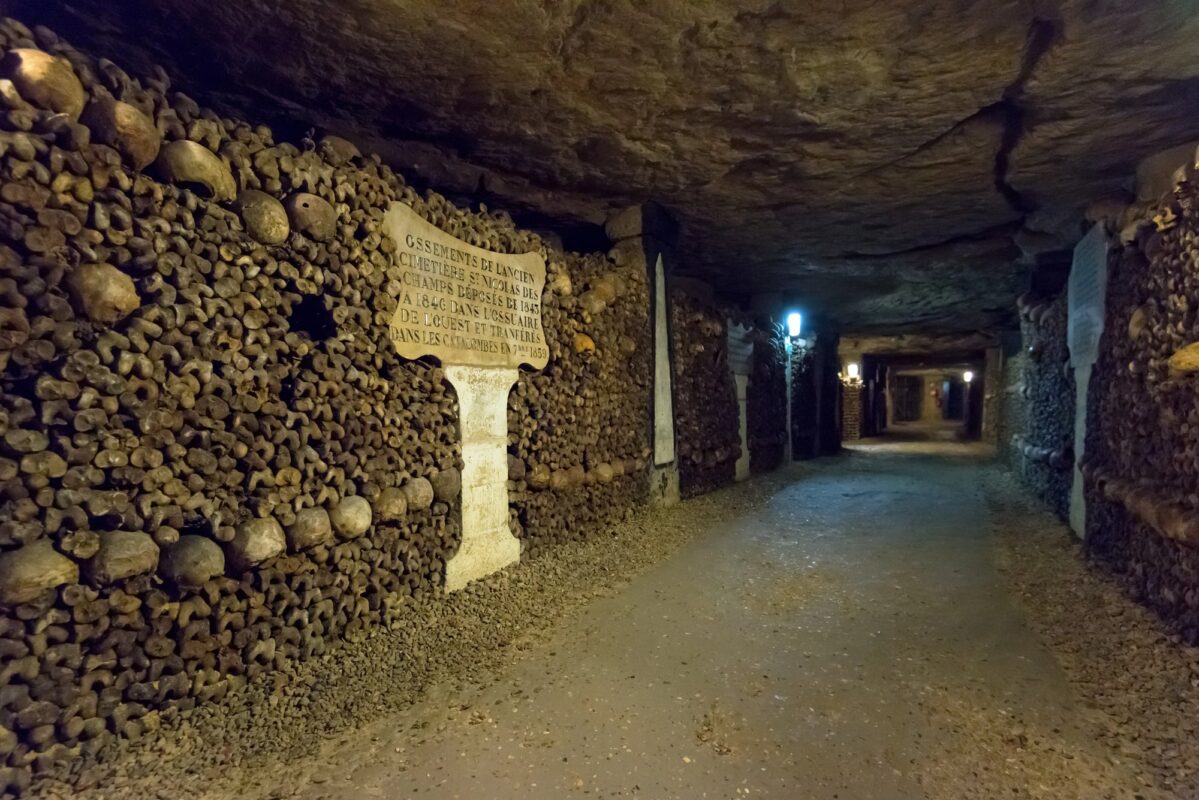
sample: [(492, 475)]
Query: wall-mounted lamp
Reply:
[(852, 375), (794, 323), (967, 376)]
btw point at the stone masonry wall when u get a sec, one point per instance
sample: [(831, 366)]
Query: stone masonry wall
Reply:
[(1142, 463), (214, 463)]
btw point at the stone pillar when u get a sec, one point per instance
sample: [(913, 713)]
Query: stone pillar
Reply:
[(851, 411), (643, 235), (740, 349), (1086, 294), (487, 541), (741, 469), (930, 388)]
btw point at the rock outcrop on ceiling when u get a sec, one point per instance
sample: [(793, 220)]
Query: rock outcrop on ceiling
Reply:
[(873, 159)]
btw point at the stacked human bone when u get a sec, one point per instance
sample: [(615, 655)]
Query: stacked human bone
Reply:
[(1044, 449), (766, 400), (578, 431), (804, 394), (213, 460), (707, 419), (1142, 450)]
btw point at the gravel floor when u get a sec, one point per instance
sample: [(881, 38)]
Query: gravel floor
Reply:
[(894, 623), (1138, 681)]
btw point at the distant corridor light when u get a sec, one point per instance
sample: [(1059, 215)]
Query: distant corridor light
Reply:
[(852, 371), (794, 320), (967, 376)]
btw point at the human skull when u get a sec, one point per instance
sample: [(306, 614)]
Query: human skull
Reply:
[(124, 128), (338, 151), (312, 216), (264, 217), (190, 163), (45, 81)]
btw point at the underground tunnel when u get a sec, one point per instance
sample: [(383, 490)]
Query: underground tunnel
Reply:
[(548, 399)]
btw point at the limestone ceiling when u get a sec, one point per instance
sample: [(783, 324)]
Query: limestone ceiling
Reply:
[(873, 159)]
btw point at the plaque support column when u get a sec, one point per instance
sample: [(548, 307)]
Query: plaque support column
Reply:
[(643, 236), (741, 468), (487, 542)]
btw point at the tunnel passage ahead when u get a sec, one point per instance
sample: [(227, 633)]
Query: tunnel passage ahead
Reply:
[(848, 636)]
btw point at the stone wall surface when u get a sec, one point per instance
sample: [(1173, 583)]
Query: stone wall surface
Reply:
[(1040, 437), (1142, 463), (214, 463)]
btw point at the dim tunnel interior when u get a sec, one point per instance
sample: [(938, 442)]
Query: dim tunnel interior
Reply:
[(538, 400)]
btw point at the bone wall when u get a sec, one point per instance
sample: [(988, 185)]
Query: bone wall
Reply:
[(579, 430), (766, 400), (707, 420), (1039, 424), (1142, 463), (214, 463)]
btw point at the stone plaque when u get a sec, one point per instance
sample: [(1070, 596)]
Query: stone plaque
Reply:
[(463, 304), (1086, 291)]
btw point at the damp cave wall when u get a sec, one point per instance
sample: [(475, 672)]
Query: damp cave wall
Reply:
[(214, 462), (1141, 468)]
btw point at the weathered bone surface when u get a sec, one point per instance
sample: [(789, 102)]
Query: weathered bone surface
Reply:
[(44, 81), (1038, 410), (1142, 448), (214, 462), (264, 216), (125, 128)]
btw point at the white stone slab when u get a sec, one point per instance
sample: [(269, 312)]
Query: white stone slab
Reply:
[(1086, 296), (1086, 292), (740, 348), (487, 543), (1078, 503), (742, 465), (663, 397)]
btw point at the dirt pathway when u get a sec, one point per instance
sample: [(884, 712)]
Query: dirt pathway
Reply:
[(849, 636)]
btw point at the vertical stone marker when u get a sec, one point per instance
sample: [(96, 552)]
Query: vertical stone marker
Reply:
[(479, 312), (1086, 293), (741, 351)]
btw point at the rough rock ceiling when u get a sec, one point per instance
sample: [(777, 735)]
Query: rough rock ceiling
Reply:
[(873, 159)]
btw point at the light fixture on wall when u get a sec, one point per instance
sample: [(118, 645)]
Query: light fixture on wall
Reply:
[(967, 376), (852, 375), (794, 323)]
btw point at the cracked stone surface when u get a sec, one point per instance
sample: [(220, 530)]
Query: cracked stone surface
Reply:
[(873, 159)]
